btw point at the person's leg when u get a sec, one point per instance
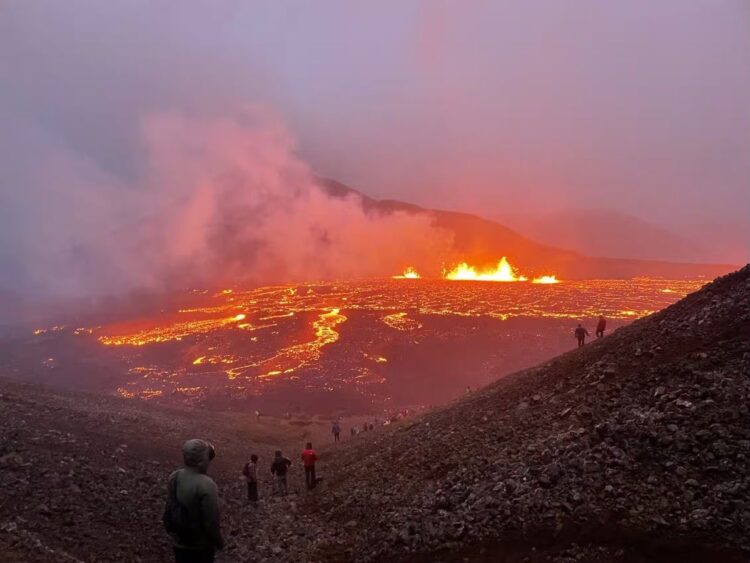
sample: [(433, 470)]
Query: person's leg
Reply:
[(249, 490), (307, 478), (313, 481), (252, 491)]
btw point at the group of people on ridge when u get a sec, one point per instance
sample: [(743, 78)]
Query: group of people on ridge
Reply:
[(191, 515)]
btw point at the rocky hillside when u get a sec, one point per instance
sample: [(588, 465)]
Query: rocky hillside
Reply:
[(636, 447), (83, 477)]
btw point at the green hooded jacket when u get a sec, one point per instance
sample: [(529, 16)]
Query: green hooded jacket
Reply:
[(200, 495)]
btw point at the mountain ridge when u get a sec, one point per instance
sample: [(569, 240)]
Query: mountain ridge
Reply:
[(483, 241)]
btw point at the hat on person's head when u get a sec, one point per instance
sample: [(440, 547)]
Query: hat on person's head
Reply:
[(197, 453)]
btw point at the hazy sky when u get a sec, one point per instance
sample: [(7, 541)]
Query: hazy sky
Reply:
[(491, 107)]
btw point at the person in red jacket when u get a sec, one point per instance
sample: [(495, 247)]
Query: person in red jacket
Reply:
[(309, 457)]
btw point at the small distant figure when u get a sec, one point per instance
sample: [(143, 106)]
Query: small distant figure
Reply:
[(309, 457), (250, 471), (364, 427), (353, 431), (581, 334), (336, 431), (372, 427), (279, 469), (257, 416), (191, 515), (601, 326), (468, 389)]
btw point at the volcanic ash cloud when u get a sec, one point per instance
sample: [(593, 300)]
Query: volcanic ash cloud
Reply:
[(216, 200)]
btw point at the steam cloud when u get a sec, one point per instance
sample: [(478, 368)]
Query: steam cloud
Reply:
[(216, 200)]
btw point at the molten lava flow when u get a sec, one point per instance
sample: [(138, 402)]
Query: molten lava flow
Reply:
[(176, 331), (409, 274), (290, 359), (545, 279), (504, 272)]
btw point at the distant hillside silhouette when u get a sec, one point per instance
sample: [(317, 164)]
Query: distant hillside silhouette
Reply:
[(482, 241)]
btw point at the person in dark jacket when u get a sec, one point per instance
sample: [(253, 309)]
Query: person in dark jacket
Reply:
[(250, 471), (279, 468), (336, 430), (309, 457), (199, 496), (581, 334), (601, 326)]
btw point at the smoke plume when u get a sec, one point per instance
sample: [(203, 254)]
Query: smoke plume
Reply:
[(215, 200)]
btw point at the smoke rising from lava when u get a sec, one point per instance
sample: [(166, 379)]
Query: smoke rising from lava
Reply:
[(216, 200)]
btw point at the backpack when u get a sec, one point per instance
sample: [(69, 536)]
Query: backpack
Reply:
[(176, 518)]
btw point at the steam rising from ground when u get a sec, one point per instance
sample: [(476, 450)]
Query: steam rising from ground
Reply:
[(216, 200)]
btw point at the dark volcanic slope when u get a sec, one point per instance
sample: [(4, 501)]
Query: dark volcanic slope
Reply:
[(637, 446)]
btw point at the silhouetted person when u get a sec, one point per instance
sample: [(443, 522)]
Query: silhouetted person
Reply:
[(336, 430), (192, 513), (257, 416), (581, 334), (309, 457), (250, 471), (279, 468), (601, 326)]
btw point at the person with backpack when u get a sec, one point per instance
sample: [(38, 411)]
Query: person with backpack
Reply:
[(250, 471), (309, 457), (581, 334), (279, 468), (191, 516), (336, 430)]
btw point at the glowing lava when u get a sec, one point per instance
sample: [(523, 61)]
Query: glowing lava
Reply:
[(545, 279), (409, 274), (176, 331), (504, 272)]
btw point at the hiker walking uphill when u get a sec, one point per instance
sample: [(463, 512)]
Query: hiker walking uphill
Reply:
[(309, 457), (250, 471), (581, 334), (191, 516), (279, 468), (601, 326)]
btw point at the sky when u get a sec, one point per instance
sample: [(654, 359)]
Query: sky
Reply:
[(497, 108)]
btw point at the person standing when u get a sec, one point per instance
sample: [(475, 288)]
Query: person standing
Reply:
[(250, 471), (191, 516), (279, 468), (309, 457), (601, 326), (581, 334), (336, 430)]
